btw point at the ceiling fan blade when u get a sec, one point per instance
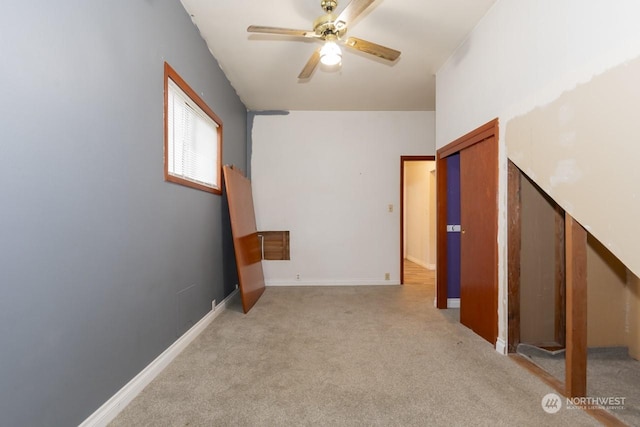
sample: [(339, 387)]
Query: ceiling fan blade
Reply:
[(310, 66), (281, 31), (352, 11), (373, 48)]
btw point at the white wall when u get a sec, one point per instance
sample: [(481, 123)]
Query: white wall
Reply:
[(433, 243), (583, 151), (328, 178), (524, 54)]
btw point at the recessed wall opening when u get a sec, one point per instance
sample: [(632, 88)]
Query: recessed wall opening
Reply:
[(545, 328), (542, 286)]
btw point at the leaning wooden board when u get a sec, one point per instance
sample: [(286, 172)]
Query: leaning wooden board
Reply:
[(246, 244)]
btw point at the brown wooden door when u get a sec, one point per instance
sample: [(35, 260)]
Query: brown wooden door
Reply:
[(246, 243), (478, 251)]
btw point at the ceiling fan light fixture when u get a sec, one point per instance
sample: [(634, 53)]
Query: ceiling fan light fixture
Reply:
[(332, 29), (330, 54)]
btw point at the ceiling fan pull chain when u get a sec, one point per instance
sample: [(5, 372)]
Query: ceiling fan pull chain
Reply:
[(329, 5)]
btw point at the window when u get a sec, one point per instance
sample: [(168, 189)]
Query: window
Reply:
[(193, 137)]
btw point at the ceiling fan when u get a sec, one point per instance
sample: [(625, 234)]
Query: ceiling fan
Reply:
[(331, 30)]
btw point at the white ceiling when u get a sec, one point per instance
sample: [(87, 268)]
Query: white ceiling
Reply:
[(263, 69)]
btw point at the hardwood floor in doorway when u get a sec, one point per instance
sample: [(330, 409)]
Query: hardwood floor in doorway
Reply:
[(415, 274)]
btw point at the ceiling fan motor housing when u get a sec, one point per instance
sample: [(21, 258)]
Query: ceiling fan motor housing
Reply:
[(325, 25)]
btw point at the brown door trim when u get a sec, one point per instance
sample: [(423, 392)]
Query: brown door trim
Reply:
[(488, 130), (441, 232), (576, 344), (402, 160), (477, 135)]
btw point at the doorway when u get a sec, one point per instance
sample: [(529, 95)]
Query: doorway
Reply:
[(417, 217), (478, 229)]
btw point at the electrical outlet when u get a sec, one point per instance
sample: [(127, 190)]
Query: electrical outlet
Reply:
[(387, 276), (298, 276), (390, 208)]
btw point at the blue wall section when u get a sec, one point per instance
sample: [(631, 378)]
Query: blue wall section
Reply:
[(102, 263), (453, 217)]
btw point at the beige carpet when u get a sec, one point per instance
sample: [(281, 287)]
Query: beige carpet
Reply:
[(343, 356), (610, 373)]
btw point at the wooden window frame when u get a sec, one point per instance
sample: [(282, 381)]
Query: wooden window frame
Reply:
[(170, 73)]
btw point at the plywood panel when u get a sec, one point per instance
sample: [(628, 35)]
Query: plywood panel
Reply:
[(514, 231), (537, 266), (246, 243), (607, 297)]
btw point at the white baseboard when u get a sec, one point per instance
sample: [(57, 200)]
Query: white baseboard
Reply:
[(420, 262), (453, 302), (501, 346), (431, 266), (112, 407), (277, 283)]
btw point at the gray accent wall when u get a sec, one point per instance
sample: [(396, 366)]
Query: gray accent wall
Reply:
[(102, 263)]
